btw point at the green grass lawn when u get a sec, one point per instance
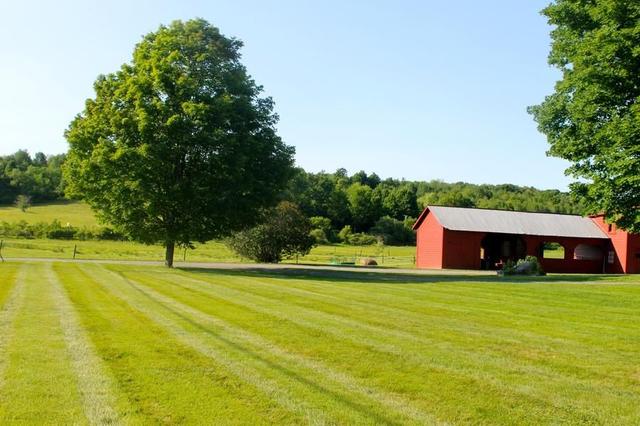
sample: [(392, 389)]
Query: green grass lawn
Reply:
[(95, 343)]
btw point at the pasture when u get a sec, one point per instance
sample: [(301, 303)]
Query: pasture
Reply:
[(80, 215), (109, 343), (67, 212)]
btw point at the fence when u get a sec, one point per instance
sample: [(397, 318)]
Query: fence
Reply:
[(210, 252)]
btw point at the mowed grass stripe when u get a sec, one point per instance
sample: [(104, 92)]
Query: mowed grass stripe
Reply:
[(163, 380), (320, 372), (40, 385), (298, 391), (95, 386), (517, 378), (11, 300)]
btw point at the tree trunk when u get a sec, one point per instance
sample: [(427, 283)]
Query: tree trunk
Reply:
[(168, 258)]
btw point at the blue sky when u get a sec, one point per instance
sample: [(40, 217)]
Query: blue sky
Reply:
[(414, 89)]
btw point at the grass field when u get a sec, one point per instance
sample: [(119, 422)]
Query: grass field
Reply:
[(80, 215), (71, 212), (212, 251), (95, 343)]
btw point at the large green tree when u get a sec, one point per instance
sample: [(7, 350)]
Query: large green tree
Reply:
[(178, 145), (593, 117)]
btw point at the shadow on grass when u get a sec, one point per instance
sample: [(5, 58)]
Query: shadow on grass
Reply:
[(366, 277)]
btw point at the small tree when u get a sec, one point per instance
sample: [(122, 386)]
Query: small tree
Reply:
[(284, 233), (23, 202)]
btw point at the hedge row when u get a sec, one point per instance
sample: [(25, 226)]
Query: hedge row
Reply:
[(56, 231)]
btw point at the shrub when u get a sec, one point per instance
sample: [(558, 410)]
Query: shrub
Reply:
[(527, 266), (319, 236), (361, 239), (323, 224), (344, 234), (285, 232)]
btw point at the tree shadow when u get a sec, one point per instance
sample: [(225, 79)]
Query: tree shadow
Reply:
[(367, 277)]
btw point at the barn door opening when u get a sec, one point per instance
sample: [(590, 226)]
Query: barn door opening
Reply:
[(496, 249)]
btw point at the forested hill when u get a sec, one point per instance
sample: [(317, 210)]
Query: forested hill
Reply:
[(359, 200)]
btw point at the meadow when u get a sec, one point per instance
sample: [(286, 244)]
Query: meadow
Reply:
[(80, 215), (142, 344), (67, 212)]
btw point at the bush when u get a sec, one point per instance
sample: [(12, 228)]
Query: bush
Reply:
[(319, 236), (344, 234), (285, 232), (527, 266), (361, 239), (323, 224)]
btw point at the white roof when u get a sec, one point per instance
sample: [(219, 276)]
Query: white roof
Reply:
[(510, 222)]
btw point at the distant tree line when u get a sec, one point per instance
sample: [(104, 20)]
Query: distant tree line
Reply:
[(346, 208), (38, 177), (358, 209)]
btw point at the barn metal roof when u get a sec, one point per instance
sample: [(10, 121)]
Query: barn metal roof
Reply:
[(510, 222)]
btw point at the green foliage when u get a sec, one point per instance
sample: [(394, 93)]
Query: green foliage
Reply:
[(178, 145), (344, 233), (394, 232), (23, 202), (347, 236), (284, 233), (362, 206), (593, 117), (38, 177), (361, 239), (361, 200), (319, 236), (56, 231), (326, 233), (527, 266)]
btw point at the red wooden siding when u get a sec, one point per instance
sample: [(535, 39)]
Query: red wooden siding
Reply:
[(429, 243), (626, 248), (462, 249)]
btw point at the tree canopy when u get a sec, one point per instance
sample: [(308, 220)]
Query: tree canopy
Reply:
[(38, 177), (178, 145), (593, 117)]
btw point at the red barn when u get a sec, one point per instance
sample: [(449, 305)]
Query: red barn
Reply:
[(465, 238)]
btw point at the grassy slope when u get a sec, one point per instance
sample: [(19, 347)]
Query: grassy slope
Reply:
[(73, 213), (210, 346)]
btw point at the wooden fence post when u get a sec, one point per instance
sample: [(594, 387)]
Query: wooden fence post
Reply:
[(1, 243), (75, 246)]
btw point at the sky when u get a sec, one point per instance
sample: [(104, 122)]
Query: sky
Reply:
[(408, 89)]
